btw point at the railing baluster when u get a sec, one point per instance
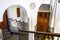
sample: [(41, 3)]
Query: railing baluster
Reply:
[(58, 38)]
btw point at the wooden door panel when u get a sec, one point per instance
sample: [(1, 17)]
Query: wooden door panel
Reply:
[(5, 19), (3, 24), (43, 21)]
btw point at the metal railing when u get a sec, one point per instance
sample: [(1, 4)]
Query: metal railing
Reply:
[(24, 35)]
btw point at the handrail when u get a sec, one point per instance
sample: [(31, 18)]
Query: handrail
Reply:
[(44, 33)]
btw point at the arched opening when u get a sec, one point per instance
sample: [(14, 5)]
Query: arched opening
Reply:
[(15, 17), (18, 12), (43, 18)]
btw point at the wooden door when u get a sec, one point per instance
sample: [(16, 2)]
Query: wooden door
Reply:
[(3, 24), (43, 21)]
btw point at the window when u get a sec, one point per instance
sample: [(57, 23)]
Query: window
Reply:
[(18, 12)]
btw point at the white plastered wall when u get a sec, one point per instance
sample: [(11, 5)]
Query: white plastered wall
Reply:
[(56, 20), (31, 13), (12, 13)]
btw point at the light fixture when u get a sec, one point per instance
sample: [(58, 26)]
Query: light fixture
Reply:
[(32, 5)]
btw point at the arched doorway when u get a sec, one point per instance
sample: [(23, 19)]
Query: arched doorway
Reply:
[(15, 14), (43, 18)]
